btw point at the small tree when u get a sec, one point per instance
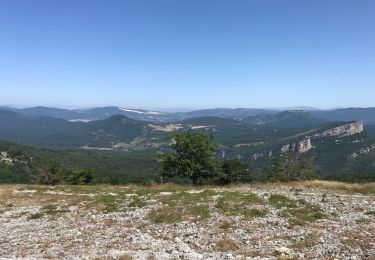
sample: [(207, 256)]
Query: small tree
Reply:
[(80, 177), (193, 157), (292, 168), (49, 174), (234, 171), (275, 171)]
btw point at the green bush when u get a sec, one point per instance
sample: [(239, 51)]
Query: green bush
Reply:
[(292, 168), (50, 174), (80, 177)]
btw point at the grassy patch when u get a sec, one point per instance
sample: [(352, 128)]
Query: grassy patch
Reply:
[(307, 213), (363, 221), (371, 213), (53, 209), (235, 203), (255, 213), (165, 215), (298, 212), (170, 215), (281, 201), (187, 198), (199, 211), (137, 203), (36, 215), (103, 203)]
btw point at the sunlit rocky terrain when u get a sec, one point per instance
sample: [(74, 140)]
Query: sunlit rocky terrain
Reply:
[(305, 220)]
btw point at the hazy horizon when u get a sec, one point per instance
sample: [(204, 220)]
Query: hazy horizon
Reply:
[(179, 109), (187, 54)]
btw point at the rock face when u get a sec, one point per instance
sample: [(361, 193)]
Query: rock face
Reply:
[(305, 145), (362, 151), (340, 131), (285, 148), (343, 130), (302, 146), (4, 157)]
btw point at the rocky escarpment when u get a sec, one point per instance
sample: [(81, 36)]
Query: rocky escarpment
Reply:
[(343, 130), (363, 151), (305, 145)]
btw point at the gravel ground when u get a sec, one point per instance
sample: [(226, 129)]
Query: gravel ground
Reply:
[(106, 222)]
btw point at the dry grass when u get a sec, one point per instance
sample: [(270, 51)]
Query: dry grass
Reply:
[(365, 188), (226, 245), (226, 225), (356, 240), (309, 241)]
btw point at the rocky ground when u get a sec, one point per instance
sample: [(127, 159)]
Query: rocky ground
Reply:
[(311, 220)]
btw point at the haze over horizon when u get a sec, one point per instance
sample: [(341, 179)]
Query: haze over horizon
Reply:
[(187, 54)]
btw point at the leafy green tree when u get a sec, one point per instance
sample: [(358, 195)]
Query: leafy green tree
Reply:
[(80, 177), (234, 171), (193, 157), (49, 174)]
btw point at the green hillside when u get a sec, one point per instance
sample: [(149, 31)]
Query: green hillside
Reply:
[(127, 167)]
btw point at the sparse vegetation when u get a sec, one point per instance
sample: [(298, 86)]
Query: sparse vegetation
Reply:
[(281, 201), (363, 221), (165, 215), (364, 188), (103, 203), (309, 240), (199, 211), (36, 215), (226, 225), (213, 219), (53, 209), (255, 213), (188, 198), (304, 214), (226, 245), (235, 203), (137, 203), (371, 213), (298, 212)]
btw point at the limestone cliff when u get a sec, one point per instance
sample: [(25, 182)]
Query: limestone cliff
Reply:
[(343, 130), (305, 145)]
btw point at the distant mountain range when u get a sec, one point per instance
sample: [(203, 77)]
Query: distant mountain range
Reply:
[(340, 141), (367, 115)]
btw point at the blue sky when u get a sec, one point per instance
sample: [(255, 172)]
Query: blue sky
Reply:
[(190, 54)]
